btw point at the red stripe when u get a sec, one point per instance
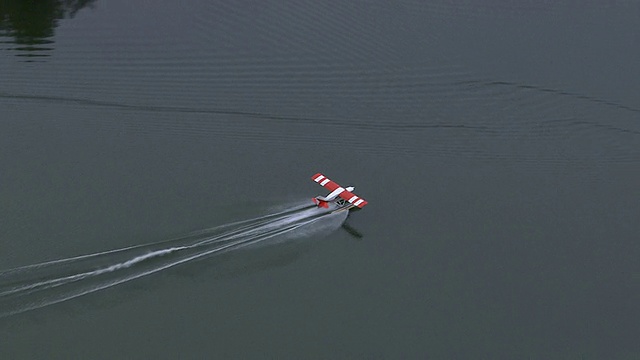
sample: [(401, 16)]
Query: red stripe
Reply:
[(331, 185)]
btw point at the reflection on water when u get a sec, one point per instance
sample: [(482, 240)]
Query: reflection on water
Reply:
[(27, 27)]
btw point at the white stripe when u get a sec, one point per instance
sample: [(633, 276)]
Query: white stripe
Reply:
[(335, 193), (357, 203), (324, 182), (353, 199), (318, 178)]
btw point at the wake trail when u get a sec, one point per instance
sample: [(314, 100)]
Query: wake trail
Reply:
[(34, 286), (237, 226)]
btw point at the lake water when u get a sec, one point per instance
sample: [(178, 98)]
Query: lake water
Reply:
[(498, 146)]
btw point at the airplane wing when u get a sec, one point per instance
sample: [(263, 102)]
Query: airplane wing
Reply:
[(339, 190)]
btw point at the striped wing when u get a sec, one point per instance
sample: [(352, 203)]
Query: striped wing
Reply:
[(339, 190)]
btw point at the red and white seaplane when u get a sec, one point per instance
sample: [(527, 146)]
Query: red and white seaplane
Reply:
[(341, 198)]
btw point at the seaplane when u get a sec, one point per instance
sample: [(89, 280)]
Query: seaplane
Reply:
[(342, 198)]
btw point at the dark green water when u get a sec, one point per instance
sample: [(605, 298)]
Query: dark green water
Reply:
[(498, 145)]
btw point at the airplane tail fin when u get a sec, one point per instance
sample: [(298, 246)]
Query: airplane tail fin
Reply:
[(320, 203)]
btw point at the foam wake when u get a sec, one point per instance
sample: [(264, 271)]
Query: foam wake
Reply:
[(34, 286)]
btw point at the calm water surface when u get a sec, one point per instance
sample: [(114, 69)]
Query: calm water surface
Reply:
[(498, 145)]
